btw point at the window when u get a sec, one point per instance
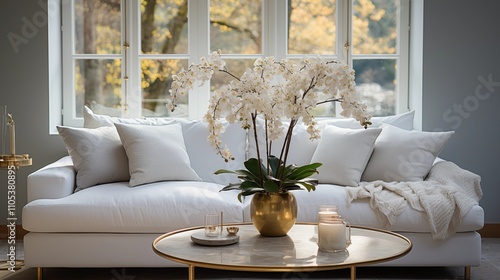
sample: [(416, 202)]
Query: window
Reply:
[(119, 55), (380, 53)]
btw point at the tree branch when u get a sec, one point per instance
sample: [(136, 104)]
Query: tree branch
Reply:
[(249, 32)]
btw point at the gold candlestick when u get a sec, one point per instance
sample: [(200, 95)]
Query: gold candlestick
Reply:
[(12, 159)]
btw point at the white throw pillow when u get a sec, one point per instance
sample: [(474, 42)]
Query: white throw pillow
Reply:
[(155, 153), (403, 120), (204, 158), (97, 154), (344, 154), (402, 155)]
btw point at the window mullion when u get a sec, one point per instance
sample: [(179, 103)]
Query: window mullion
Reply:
[(198, 46), (344, 28), (55, 64), (69, 111), (274, 28), (279, 21), (344, 37), (133, 63), (402, 75)]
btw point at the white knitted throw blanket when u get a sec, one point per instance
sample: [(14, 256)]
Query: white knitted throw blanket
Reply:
[(445, 196)]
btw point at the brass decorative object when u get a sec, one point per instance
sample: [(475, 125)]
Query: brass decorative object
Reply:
[(232, 230), (15, 160), (11, 159), (273, 214), (11, 162)]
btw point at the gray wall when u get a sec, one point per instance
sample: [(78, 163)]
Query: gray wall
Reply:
[(24, 90), (460, 46)]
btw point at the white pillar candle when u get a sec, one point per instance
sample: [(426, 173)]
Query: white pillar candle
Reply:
[(332, 236), (12, 135)]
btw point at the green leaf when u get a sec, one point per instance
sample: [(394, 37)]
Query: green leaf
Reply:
[(249, 193), (271, 186), (309, 185), (253, 166), (247, 175), (274, 164), (305, 171), (224, 171), (242, 174), (292, 187), (256, 178), (289, 170), (235, 186), (250, 185)]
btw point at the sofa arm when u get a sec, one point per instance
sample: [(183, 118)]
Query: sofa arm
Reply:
[(55, 180)]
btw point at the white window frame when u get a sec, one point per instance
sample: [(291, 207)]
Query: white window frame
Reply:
[(54, 56), (401, 56), (274, 44)]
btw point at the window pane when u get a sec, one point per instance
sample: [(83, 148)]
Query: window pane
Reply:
[(311, 27), (374, 28), (236, 26), (236, 67), (376, 85), (97, 27), (98, 85), (164, 27), (156, 78)]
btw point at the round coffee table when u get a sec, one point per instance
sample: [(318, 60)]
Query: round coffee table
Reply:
[(295, 252)]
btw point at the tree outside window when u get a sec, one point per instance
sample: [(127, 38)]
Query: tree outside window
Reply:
[(101, 59)]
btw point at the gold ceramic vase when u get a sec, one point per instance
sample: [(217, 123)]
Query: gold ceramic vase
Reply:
[(273, 214)]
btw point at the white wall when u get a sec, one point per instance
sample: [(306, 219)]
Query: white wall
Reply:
[(24, 89)]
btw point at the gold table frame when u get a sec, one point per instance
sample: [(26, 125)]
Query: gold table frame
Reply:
[(369, 246)]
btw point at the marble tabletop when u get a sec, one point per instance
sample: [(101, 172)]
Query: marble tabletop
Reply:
[(297, 251)]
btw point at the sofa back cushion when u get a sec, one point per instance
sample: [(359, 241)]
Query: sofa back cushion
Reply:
[(302, 148), (403, 121), (203, 158)]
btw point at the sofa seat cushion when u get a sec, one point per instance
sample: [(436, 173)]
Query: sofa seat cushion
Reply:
[(360, 212), (152, 208)]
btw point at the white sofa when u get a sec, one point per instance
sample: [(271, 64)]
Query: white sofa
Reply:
[(113, 224)]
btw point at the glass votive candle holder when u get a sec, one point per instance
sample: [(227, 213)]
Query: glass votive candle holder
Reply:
[(212, 224), (334, 234), (325, 211)]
